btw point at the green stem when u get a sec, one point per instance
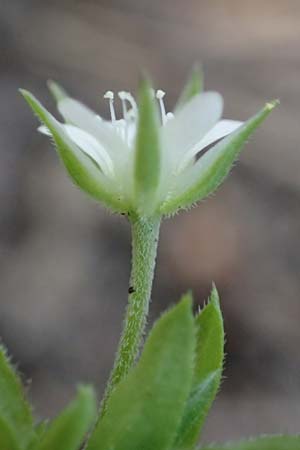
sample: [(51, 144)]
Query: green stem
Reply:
[(145, 234)]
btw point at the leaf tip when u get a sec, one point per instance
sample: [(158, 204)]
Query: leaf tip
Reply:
[(86, 393), (214, 296), (34, 104), (193, 86), (271, 105), (144, 77), (145, 89), (26, 94), (85, 389), (198, 74), (187, 299), (56, 90)]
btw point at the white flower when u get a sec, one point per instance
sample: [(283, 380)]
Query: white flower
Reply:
[(123, 156)]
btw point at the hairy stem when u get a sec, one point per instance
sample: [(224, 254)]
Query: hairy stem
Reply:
[(145, 234)]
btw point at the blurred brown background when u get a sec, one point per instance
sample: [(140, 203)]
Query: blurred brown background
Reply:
[(65, 261)]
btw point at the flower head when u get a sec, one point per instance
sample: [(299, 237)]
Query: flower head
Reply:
[(149, 161)]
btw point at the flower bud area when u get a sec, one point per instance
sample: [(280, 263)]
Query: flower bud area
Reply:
[(175, 161), (126, 126)]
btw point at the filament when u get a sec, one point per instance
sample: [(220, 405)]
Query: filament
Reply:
[(110, 96)]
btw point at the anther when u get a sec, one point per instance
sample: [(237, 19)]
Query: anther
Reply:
[(122, 95), (160, 94), (110, 96)]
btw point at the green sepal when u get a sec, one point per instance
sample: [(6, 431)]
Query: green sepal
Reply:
[(215, 164), (280, 442), (145, 408), (193, 86), (147, 163), (16, 421), (57, 91), (207, 372), (68, 430), (82, 170)]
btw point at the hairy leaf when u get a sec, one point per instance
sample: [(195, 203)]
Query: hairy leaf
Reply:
[(8, 436), (145, 409), (207, 372), (68, 430), (16, 422)]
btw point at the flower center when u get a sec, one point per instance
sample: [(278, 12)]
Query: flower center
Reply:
[(126, 127)]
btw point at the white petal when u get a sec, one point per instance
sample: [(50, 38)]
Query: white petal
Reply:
[(76, 113), (84, 118), (191, 124), (89, 145), (220, 130), (193, 174), (131, 132)]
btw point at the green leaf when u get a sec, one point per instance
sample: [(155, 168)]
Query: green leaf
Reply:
[(40, 429), (8, 437), (210, 339), (82, 170), (282, 442), (147, 151), (68, 430), (193, 86), (213, 167), (144, 410), (16, 422), (207, 372)]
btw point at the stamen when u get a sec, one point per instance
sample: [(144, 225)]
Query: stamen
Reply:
[(110, 96), (160, 95), (121, 128), (122, 97), (126, 96)]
